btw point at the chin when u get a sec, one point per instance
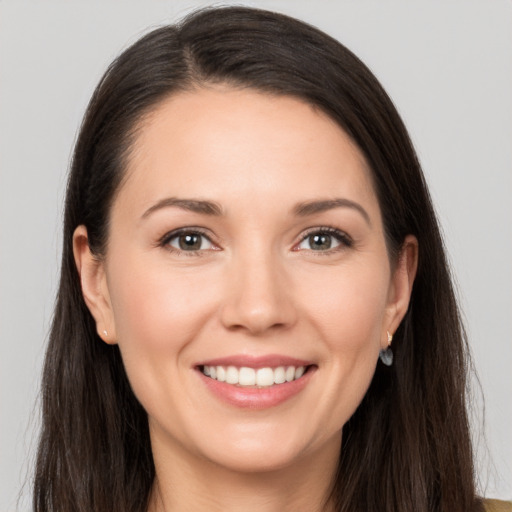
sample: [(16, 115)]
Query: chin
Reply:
[(257, 457)]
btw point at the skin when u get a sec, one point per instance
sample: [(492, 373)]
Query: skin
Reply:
[(257, 286)]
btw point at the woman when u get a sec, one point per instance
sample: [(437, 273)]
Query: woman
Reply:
[(247, 230)]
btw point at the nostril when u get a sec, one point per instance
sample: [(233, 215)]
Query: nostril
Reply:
[(257, 301)]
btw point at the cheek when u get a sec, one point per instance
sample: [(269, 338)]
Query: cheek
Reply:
[(348, 306), (153, 304), (157, 314), (349, 319)]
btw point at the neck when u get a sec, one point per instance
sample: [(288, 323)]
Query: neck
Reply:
[(197, 484)]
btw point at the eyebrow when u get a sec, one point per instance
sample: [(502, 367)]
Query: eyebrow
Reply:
[(312, 207), (192, 205), (302, 209)]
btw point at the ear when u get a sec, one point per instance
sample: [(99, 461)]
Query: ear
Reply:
[(93, 281), (400, 291)]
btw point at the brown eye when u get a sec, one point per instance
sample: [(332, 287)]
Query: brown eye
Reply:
[(320, 242), (324, 240), (190, 241)]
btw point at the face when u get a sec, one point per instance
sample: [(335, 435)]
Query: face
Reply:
[(246, 278)]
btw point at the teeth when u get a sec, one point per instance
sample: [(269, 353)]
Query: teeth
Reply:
[(232, 375), (221, 373), (299, 372), (247, 377), (279, 375), (265, 377), (262, 377)]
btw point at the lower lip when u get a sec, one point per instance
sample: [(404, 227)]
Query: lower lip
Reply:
[(256, 398)]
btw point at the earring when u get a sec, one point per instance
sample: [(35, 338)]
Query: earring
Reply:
[(105, 332), (386, 356)]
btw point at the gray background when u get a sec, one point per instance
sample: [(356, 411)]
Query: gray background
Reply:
[(446, 64)]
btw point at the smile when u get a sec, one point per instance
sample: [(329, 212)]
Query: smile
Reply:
[(256, 382), (249, 377)]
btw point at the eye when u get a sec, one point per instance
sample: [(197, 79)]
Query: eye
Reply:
[(324, 239), (187, 241)]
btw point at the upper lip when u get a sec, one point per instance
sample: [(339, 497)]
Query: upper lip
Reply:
[(244, 360)]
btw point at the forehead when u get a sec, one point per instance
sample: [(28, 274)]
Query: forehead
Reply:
[(226, 143)]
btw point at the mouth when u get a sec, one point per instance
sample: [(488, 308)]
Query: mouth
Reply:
[(248, 377), (256, 382)]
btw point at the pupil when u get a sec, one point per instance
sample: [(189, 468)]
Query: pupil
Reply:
[(320, 241), (188, 242)]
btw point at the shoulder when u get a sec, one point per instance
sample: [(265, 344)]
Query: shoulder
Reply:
[(497, 506)]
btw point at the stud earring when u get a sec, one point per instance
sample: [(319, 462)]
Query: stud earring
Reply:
[(105, 332), (386, 356)]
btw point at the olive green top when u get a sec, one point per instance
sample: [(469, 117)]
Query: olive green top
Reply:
[(498, 506)]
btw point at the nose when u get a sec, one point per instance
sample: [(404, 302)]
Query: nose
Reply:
[(258, 297)]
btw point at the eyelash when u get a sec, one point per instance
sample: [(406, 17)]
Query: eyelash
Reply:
[(166, 239), (344, 240)]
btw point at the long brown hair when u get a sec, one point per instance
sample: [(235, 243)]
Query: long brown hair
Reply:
[(407, 447)]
